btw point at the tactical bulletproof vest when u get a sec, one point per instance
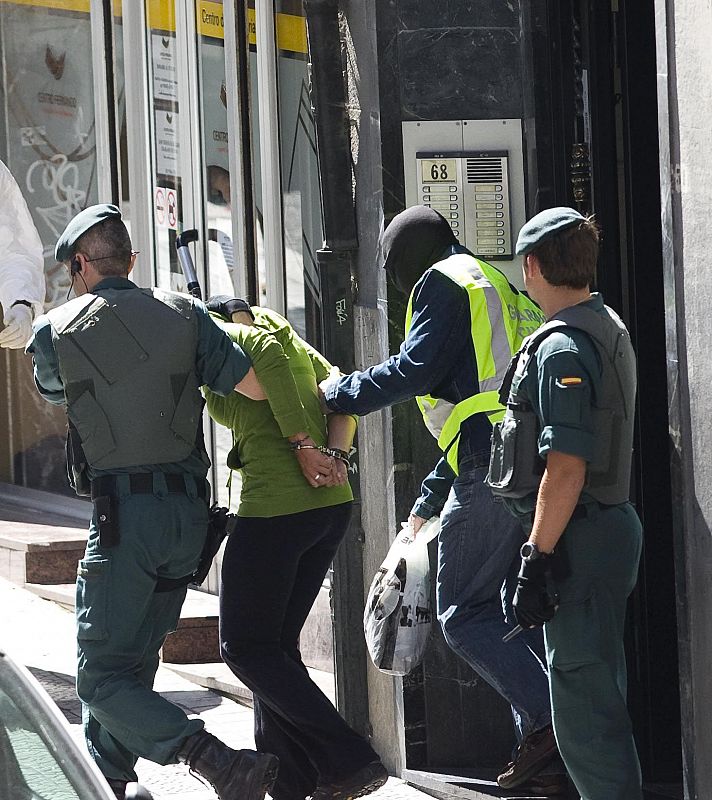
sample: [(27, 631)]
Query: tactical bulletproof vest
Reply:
[(515, 467), (500, 318), (127, 360)]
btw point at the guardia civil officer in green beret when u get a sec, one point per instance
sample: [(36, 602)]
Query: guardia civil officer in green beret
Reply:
[(561, 458), (128, 363)]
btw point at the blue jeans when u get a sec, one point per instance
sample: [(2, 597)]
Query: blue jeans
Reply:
[(478, 554)]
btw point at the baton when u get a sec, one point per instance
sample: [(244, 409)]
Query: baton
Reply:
[(514, 632), (186, 261)]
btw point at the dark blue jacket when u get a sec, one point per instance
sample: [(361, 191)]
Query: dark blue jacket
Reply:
[(436, 358)]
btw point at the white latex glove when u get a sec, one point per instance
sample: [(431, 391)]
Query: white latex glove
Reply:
[(18, 327)]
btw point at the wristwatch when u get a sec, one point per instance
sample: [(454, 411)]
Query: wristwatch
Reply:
[(530, 552)]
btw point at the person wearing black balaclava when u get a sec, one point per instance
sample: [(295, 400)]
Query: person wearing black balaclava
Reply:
[(455, 311)]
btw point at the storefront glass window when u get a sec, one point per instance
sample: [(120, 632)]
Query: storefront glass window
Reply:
[(47, 140), (120, 134), (167, 164), (255, 146), (48, 103), (216, 167), (300, 177), (217, 235)]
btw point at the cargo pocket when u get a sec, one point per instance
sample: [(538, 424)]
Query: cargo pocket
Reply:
[(92, 598), (573, 637), (573, 641)]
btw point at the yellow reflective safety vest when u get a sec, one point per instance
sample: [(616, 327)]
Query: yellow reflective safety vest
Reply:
[(500, 319)]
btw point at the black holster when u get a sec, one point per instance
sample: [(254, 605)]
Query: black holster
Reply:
[(220, 524), (106, 509)]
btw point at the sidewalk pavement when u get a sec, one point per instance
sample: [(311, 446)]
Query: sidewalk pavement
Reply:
[(40, 635)]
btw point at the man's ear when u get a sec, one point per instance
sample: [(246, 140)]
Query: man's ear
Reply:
[(531, 265), (132, 262)]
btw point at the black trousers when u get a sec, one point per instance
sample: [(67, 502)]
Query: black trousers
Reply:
[(272, 571)]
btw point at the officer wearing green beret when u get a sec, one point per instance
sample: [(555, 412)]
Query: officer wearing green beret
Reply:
[(128, 363), (561, 458)]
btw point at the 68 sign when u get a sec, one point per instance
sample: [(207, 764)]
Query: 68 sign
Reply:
[(442, 170)]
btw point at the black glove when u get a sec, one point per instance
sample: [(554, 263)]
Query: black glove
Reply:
[(536, 598), (226, 306)]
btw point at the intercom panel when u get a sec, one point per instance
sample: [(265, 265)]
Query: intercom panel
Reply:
[(471, 190), (472, 172)]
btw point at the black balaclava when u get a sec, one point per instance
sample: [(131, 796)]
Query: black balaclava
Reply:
[(414, 241)]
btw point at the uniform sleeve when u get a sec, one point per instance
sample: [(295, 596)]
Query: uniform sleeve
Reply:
[(220, 363), (21, 254), (45, 364), (440, 329), (274, 374), (567, 375), (434, 491)]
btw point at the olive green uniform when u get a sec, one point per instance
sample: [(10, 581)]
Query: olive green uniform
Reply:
[(602, 544), (161, 507)]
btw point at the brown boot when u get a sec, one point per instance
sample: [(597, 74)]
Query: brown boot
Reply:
[(234, 774), (533, 754)]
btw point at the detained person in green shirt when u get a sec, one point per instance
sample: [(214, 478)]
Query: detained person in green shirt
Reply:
[(295, 505)]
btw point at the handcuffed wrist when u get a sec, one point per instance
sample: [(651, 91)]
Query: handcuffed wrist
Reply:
[(334, 452)]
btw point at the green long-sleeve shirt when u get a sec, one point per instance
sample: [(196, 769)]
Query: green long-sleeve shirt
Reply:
[(289, 370)]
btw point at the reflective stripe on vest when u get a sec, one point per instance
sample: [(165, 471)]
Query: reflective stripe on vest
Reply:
[(500, 319)]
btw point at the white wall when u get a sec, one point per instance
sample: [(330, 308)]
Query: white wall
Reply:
[(685, 121)]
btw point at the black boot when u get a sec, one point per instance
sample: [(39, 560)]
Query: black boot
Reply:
[(234, 774)]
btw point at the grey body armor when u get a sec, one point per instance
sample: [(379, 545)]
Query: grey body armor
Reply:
[(515, 466), (127, 360)]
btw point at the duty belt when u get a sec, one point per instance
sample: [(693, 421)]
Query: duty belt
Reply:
[(142, 483), (104, 493)]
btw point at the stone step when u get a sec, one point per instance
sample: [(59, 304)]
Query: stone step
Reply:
[(42, 537), (194, 642), (465, 784), (219, 678), (39, 553)]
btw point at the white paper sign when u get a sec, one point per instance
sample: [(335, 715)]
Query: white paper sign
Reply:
[(166, 142), (165, 80)]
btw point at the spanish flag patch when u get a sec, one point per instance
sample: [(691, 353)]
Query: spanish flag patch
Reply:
[(572, 381)]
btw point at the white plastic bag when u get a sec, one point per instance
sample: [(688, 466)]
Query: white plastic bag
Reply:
[(396, 620)]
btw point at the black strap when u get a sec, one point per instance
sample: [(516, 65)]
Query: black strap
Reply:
[(142, 483)]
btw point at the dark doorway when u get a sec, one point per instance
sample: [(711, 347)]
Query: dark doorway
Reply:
[(595, 86)]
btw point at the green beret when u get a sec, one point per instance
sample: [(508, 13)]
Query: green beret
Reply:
[(80, 225), (544, 225)]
